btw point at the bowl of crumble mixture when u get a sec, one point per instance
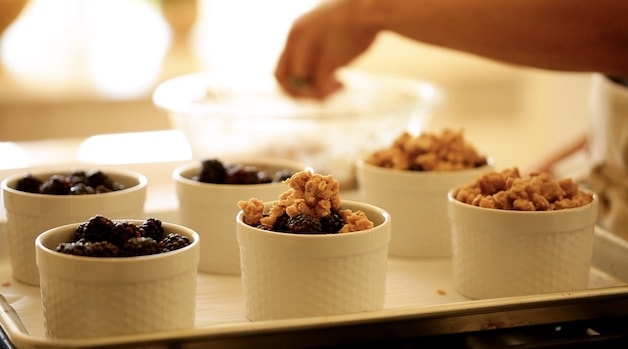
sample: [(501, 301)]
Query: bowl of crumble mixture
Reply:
[(515, 235), (225, 116)]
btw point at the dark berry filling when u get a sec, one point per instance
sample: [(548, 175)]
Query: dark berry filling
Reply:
[(218, 172), (305, 224), (102, 237), (76, 183)]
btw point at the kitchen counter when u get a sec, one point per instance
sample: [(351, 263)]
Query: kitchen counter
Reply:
[(562, 323)]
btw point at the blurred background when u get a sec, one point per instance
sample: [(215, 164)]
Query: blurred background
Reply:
[(79, 68)]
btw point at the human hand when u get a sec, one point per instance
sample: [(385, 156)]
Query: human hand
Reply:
[(320, 42)]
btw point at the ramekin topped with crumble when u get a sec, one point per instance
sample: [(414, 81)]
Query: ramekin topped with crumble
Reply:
[(516, 235), (309, 253), (411, 178)]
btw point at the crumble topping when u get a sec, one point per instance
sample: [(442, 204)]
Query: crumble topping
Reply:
[(445, 151), (310, 194), (508, 190)]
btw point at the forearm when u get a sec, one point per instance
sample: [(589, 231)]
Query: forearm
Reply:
[(570, 35)]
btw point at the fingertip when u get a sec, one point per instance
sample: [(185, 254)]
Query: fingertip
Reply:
[(330, 87), (280, 69)]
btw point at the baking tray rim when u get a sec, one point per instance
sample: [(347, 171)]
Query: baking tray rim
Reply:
[(479, 310)]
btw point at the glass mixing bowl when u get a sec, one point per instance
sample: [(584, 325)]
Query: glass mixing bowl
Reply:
[(223, 116)]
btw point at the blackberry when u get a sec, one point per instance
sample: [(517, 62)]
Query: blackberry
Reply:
[(97, 228), (212, 171), (332, 223), (81, 189), (173, 241), (416, 167), (282, 175), (241, 174), (29, 183), (480, 162), (77, 177), (102, 189), (89, 248), (281, 223), (140, 246), (123, 231), (304, 224), (152, 228), (263, 177), (116, 186), (55, 185), (96, 178), (101, 182)]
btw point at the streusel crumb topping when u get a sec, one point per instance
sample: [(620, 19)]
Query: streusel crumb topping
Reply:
[(508, 190), (445, 151), (309, 194)]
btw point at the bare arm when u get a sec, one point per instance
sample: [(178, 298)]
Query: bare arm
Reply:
[(553, 159), (566, 35)]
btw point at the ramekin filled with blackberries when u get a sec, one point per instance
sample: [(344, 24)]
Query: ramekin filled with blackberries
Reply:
[(208, 191), (105, 277), (42, 199)]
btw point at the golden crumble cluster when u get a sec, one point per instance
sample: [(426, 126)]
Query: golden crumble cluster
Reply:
[(312, 200), (508, 190), (445, 151)]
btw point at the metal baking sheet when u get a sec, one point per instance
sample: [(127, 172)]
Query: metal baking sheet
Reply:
[(420, 300), (415, 289)]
